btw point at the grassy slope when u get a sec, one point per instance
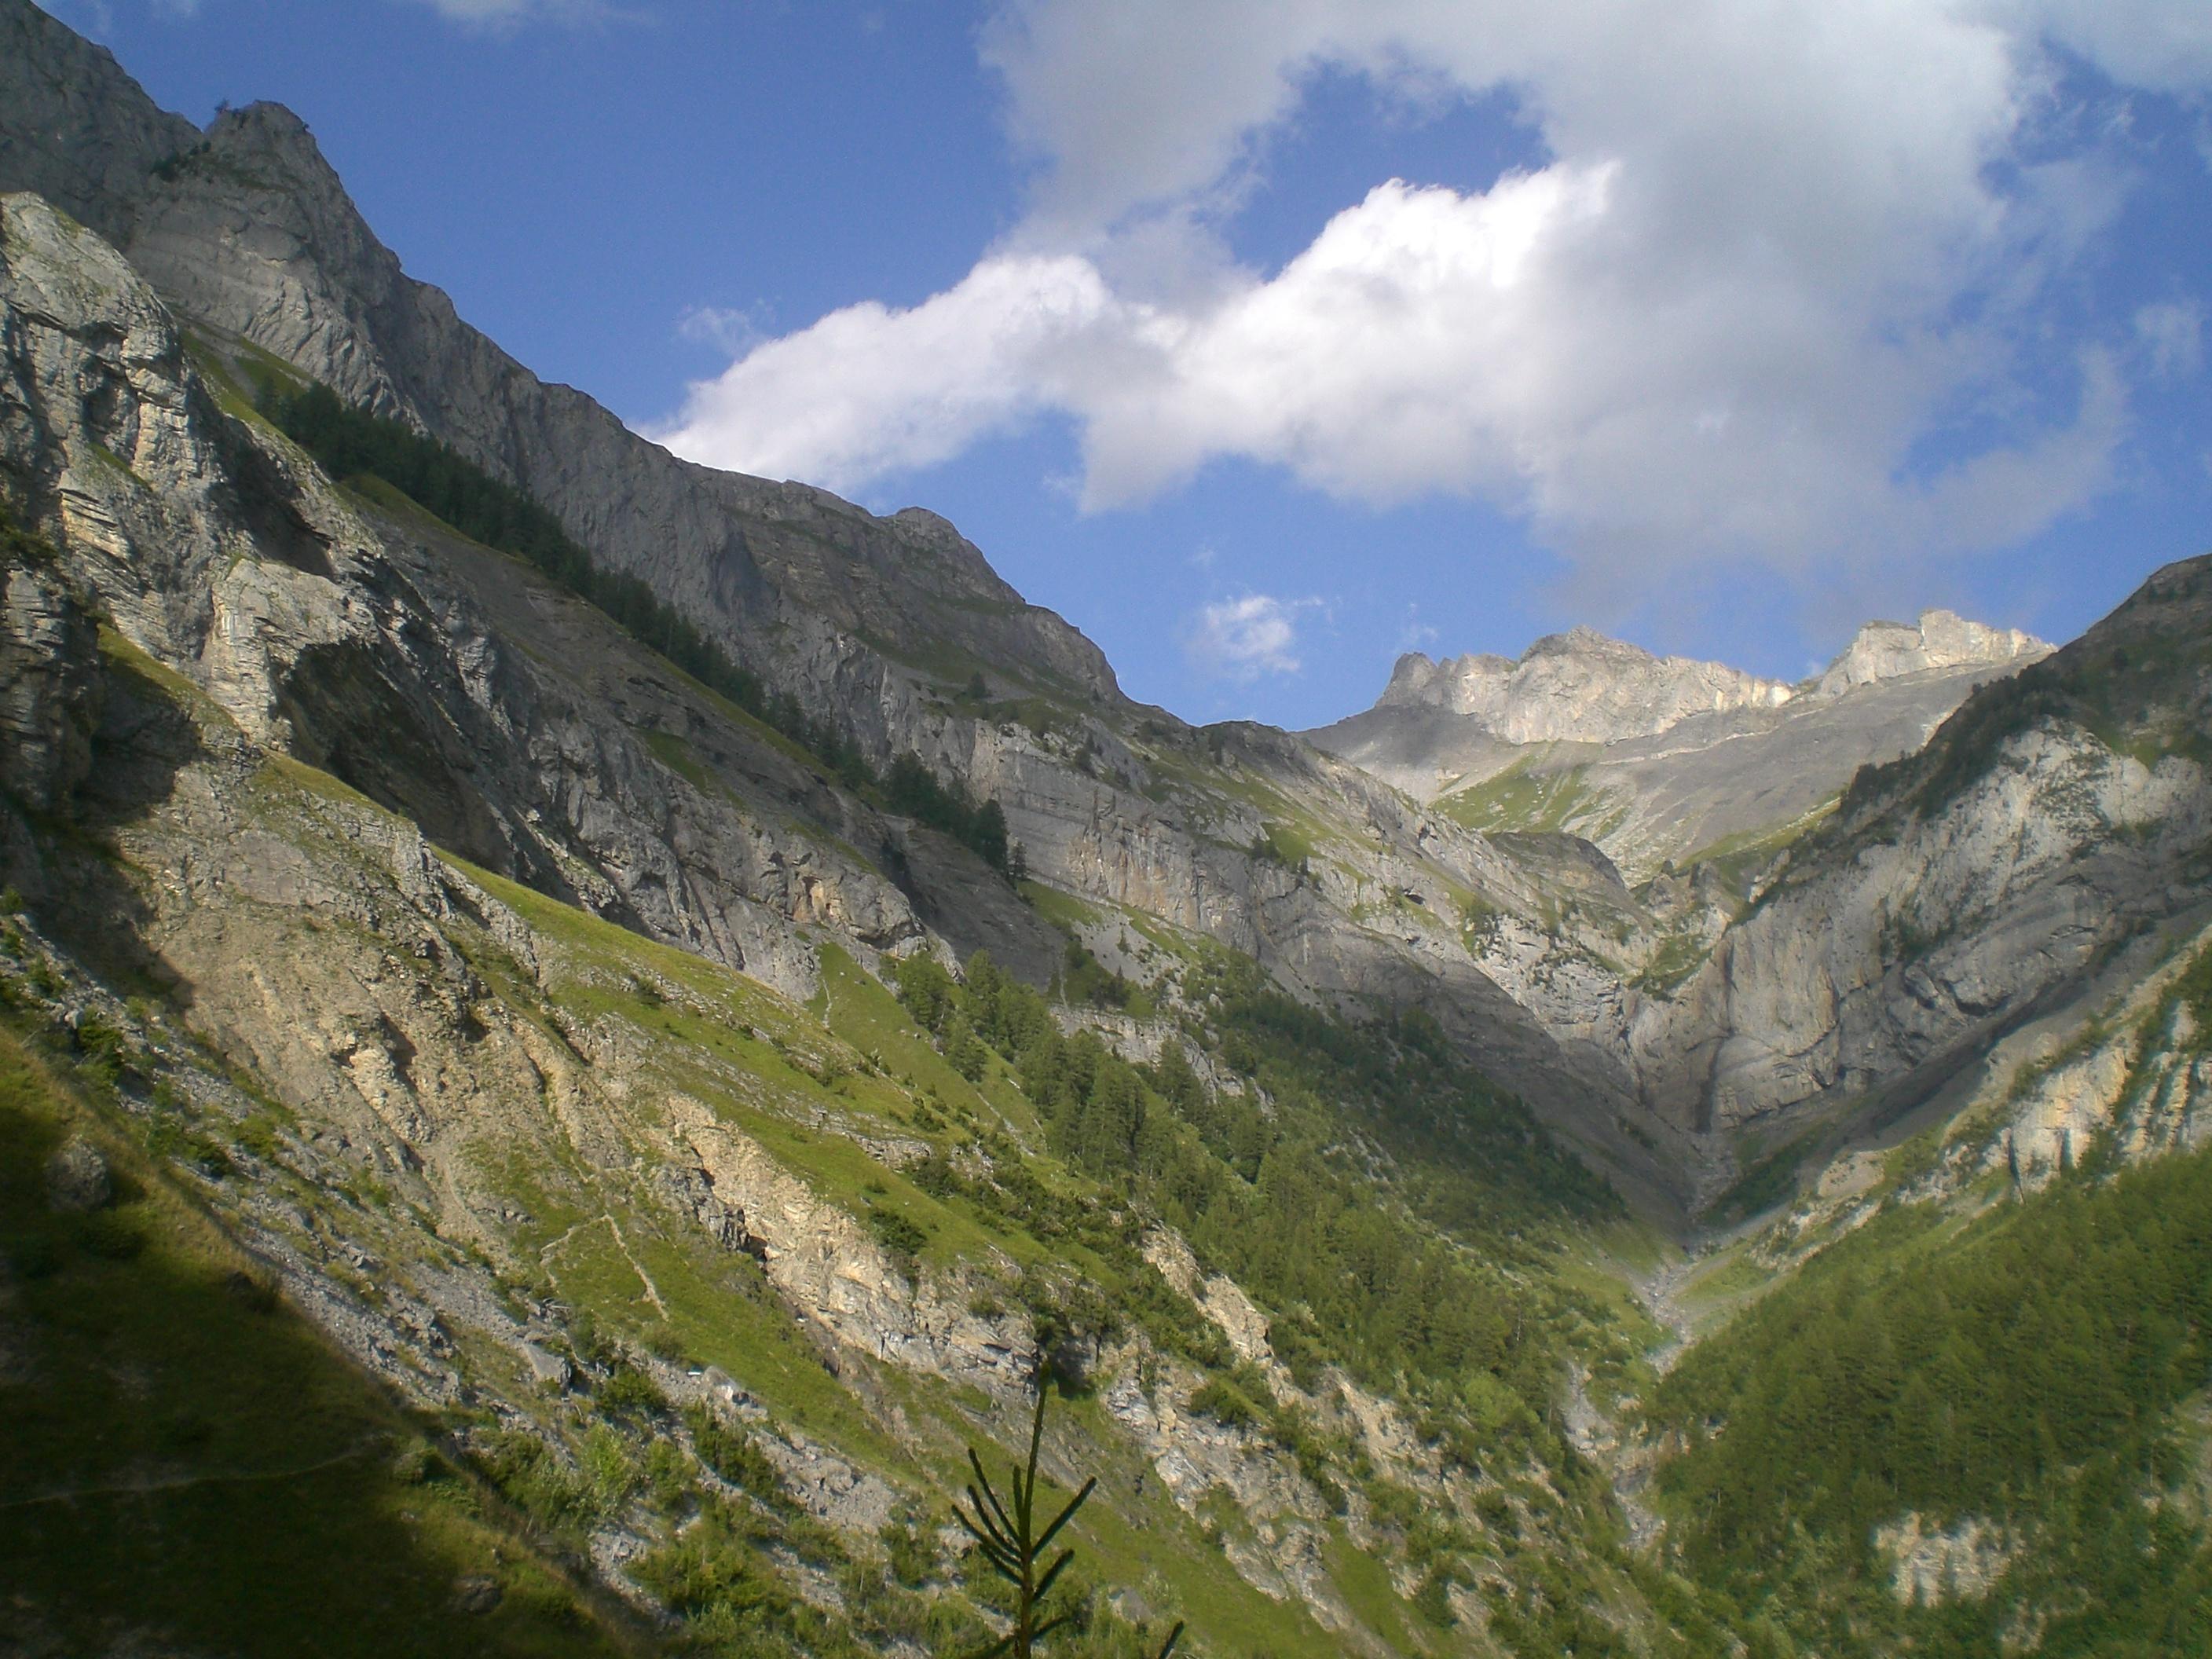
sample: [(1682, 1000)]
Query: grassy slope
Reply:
[(880, 1066), (2037, 1365), (186, 1460)]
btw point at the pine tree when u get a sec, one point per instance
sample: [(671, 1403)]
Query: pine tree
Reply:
[(1007, 1535)]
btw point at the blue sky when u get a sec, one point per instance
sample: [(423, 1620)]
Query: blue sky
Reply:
[(1265, 338)]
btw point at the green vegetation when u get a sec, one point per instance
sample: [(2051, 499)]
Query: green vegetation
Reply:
[(1286, 844), (1526, 796), (1447, 1282), (1771, 1180), (21, 547), (351, 443), (913, 789), (2135, 683), (2024, 1372), (1006, 1534), (185, 1454)]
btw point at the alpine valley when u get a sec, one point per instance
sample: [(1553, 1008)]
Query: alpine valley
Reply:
[(576, 1029)]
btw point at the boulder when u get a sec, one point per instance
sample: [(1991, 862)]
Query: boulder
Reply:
[(77, 1178)]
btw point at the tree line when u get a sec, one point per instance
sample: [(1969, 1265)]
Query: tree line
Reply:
[(350, 442)]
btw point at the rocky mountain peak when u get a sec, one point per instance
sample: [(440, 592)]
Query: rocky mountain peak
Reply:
[(246, 230), (1579, 687), (1938, 640), (1583, 640)]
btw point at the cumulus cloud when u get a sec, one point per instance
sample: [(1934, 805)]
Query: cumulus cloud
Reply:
[(1242, 639), (1772, 269)]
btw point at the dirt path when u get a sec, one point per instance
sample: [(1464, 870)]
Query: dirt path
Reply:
[(144, 1484), (622, 1244)]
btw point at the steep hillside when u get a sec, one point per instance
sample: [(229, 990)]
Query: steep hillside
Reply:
[(893, 633), (1965, 887), (685, 1294)]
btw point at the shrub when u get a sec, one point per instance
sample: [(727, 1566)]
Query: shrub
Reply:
[(730, 1453)]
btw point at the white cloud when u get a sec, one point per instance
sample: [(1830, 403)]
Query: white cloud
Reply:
[(1776, 260), (736, 330), (2173, 336), (868, 389), (1242, 639), (1415, 634), (499, 13)]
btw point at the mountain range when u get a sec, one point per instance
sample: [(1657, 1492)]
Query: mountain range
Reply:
[(578, 1026)]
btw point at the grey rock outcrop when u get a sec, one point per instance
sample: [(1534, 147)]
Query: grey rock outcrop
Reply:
[(405, 663), (1577, 687), (1939, 639), (78, 1177), (48, 686), (2056, 816)]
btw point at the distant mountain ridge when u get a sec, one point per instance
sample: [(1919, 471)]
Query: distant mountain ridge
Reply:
[(1657, 759), (1576, 687), (1583, 686)]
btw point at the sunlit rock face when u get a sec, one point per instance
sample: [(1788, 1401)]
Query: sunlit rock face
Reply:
[(1577, 687)]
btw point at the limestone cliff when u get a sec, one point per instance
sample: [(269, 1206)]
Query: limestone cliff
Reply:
[(1577, 687), (1662, 760), (2053, 816)]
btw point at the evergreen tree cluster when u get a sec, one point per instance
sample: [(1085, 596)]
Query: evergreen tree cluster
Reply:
[(1420, 1285), (2024, 1372), (912, 789), (348, 442)]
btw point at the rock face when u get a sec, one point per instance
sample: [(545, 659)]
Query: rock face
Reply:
[(1658, 760), (1577, 687), (2056, 814), (48, 688), (1940, 639), (1930, 1565), (78, 1177), (411, 663)]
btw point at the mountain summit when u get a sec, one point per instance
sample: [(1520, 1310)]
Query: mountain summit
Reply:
[(1657, 757), (1584, 687), (1940, 639), (1576, 687)]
